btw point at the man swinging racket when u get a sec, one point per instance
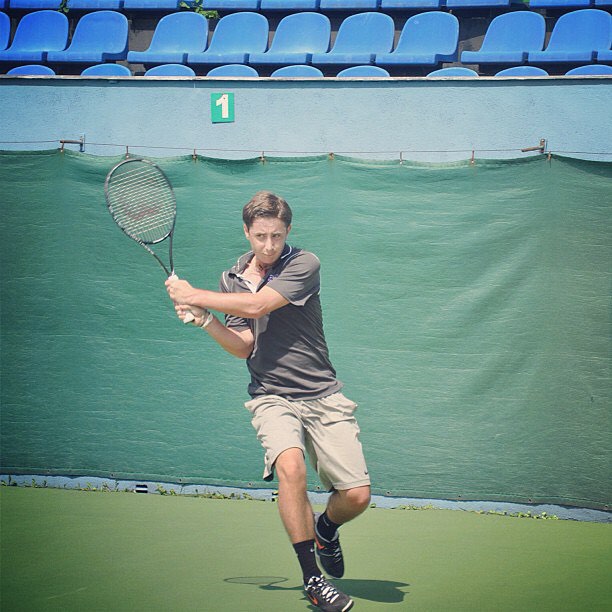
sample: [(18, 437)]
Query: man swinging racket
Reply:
[(273, 320)]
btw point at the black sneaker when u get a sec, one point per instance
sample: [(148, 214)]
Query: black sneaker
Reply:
[(324, 595), (329, 553)]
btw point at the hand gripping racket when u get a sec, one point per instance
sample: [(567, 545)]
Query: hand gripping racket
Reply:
[(141, 201)]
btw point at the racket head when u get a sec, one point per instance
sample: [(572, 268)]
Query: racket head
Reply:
[(141, 200)]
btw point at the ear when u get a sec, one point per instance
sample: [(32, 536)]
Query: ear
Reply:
[(246, 230), (288, 229)]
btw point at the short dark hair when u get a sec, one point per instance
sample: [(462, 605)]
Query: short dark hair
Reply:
[(266, 204)]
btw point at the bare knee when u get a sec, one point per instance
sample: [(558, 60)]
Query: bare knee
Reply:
[(291, 467), (357, 499)]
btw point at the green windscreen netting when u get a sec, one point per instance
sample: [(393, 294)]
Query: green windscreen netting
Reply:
[(467, 309)]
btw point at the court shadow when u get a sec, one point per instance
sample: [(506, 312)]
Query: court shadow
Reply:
[(379, 591)]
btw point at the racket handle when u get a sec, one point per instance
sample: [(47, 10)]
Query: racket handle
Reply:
[(189, 316)]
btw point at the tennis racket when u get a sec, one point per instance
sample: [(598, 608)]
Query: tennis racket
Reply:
[(141, 201)]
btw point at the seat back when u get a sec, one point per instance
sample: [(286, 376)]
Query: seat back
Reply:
[(107, 70), (365, 32), (185, 32), (5, 31), (35, 5), (585, 29), (240, 32), (297, 71), (516, 31), (453, 71), (41, 31), (170, 70), (90, 5), (363, 71), (431, 32), (601, 69), (561, 4), (31, 69), (302, 33), (233, 70), (522, 71), (152, 5), (101, 31)]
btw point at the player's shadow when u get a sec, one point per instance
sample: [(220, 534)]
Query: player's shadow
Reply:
[(380, 591)]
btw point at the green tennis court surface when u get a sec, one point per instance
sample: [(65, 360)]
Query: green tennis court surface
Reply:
[(90, 551)]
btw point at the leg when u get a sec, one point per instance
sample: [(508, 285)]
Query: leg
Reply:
[(344, 506), (293, 504)]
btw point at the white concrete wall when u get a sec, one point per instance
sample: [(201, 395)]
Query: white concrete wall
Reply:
[(421, 119)]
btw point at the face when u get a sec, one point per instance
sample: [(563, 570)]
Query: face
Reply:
[(267, 236)]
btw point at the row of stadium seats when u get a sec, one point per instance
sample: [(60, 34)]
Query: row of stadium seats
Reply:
[(301, 71), (427, 39), (297, 5)]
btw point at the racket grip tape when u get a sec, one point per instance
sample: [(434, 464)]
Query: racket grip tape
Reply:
[(189, 316)]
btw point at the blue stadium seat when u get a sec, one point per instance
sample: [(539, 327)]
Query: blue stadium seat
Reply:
[(35, 5), (100, 36), (235, 36), (603, 3), (406, 5), (107, 70), (454, 4), (5, 31), (563, 4), (297, 71), (233, 70), (37, 34), (363, 71), (297, 37), (95, 5), (453, 71), (360, 37), (522, 71), (598, 69), (508, 39), (348, 5), (150, 5), (175, 35), (426, 39), (232, 5), (32, 69), (289, 5), (576, 38), (170, 70), (604, 56)]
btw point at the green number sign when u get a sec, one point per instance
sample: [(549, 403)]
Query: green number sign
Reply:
[(222, 107)]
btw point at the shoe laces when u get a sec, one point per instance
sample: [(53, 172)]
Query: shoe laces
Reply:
[(324, 588), (333, 548)]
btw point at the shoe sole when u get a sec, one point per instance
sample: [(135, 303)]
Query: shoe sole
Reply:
[(346, 608)]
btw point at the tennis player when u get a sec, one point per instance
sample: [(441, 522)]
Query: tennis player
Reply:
[(273, 319)]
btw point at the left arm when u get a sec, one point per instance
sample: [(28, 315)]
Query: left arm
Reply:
[(246, 305)]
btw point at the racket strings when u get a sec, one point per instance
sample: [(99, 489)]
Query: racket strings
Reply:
[(142, 203)]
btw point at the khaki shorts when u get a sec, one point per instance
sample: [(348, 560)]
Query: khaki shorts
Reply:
[(325, 429)]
